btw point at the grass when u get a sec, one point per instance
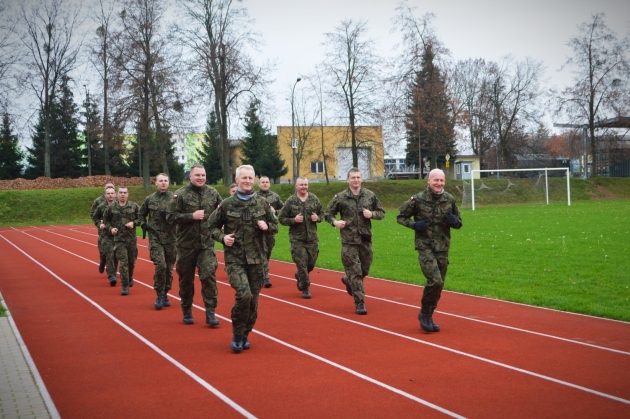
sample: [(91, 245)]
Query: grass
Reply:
[(570, 258)]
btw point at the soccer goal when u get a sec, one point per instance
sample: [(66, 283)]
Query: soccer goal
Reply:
[(518, 185)]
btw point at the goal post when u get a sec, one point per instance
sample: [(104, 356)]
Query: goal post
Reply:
[(544, 170)]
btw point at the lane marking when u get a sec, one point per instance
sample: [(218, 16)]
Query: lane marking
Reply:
[(279, 341), (138, 336), (486, 322)]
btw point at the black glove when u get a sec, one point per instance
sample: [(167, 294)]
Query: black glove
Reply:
[(452, 220), (421, 225), (143, 226)]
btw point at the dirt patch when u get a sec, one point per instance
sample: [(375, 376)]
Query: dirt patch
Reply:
[(61, 183)]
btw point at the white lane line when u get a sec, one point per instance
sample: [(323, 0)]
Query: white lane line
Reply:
[(284, 343), (138, 336), (466, 354)]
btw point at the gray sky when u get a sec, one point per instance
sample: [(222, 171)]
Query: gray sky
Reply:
[(293, 31)]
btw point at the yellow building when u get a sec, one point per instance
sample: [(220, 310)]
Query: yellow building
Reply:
[(317, 146)]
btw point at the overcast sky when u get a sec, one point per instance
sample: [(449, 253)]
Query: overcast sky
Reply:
[(293, 31)]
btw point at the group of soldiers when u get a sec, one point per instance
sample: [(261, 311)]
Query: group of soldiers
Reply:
[(183, 226)]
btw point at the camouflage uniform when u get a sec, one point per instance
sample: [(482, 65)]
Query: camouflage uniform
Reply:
[(95, 204), (195, 248), (303, 236), (433, 243), (125, 242), (356, 236), (105, 241), (161, 239), (276, 203), (245, 259)]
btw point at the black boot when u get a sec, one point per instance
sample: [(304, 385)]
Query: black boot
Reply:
[(237, 344), (426, 323), (158, 303), (211, 319), (188, 318), (436, 327)]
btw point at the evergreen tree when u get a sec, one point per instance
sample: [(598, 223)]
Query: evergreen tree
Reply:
[(92, 134), (67, 156), (10, 153), (260, 148), (210, 155), (429, 123)]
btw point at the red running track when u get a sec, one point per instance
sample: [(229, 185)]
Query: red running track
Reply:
[(104, 355)]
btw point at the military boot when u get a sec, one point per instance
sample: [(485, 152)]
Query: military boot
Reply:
[(211, 319), (165, 301), (237, 344), (246, 344), (361, 309), (426, 323), (158, 303), (306, 294), (188, 318), (112, 281), (436, 327), (124, 290)]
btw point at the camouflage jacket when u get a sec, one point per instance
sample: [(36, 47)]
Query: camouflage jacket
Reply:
[(190, 233), (153, 212), (98, 218), (239, 217), (305, 231), (95, 204), (117, 215), (272, 198), (358, 228), (428, 206)]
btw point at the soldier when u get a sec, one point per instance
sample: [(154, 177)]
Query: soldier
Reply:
[(357, 207), (431, 213), (276, 203), (301, 212), (95, 204), (105, 239), (190, 207), (241, 223), (121, 219), (161, 238)]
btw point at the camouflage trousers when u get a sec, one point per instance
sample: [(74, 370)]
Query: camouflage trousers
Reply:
[(204, 260), (126, 255), (163, 257), (106, 250), (247, 280), (270, 242), (304, 256), (356, 259), (433, 266)]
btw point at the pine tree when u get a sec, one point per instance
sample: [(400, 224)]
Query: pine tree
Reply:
[(429, 123), (92, 134), (210, 155), (10, 154), (260, 148), (67, 156)]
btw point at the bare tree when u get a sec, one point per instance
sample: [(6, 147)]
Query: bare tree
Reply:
[(9, 54), (217, 36), (602, 77), (351, 64), (317, 87), (52, 55)]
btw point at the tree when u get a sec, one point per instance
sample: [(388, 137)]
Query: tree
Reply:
[(260, 148), (66, 149), (10, 154), (602, 77), (351, 64), (209, 155), (429, 123), (49, 43), (92, 133), (9, 52), (217, 36)]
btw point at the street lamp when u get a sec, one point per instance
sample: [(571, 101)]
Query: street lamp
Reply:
[(294, 142)]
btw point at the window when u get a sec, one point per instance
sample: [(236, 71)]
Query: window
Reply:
[(317, 167)]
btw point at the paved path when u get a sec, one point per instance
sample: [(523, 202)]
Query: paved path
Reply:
[(22, 391)]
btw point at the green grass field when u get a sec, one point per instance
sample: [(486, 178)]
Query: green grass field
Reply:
[(573, 258)]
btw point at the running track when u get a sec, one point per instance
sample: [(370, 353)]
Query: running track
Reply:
[(104, 355)]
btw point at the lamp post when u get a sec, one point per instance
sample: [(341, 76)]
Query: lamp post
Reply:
[(293, 140)]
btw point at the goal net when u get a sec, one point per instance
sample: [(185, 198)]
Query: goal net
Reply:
[(507, 186)]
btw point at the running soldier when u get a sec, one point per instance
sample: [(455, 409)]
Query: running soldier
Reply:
[(105, 239), (161, 238), (241, 223), (190, 208), (276, 203), (95, 204), (301, 212), (121, 219), (431, 213), (357, 207)]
